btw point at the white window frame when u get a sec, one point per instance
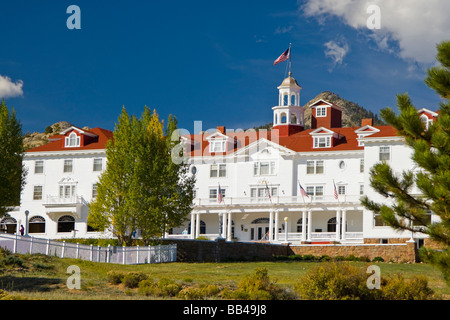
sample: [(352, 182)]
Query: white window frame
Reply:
[(315, 166), (321, 112), (213, 192), (361, 165), (271, 165), (35, 192), (72, 141), (71, 166), (41, 167), (260, 193), (94, 190), (388, 148), (342, 190), (326, 143), (218, 145), (312, 191), (220, 170), (95, 165)]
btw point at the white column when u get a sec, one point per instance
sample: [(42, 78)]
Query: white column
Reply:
[(338, 225), (220, 220), (308, 238), (344, 224), (303, 225), (192, 231), (276, 225), (229, 225), (197, 224), (224, 225), (271, 225)]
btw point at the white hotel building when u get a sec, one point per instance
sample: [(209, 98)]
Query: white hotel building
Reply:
[(247, 167)]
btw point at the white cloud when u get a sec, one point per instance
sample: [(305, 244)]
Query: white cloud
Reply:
[(282, 30), (336, 51), (10, 89), (414, 26)]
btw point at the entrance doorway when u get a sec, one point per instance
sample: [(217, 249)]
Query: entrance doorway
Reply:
[(259, 229)]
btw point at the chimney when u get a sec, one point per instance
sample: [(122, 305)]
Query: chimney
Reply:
[(365, 122), (221, 129)]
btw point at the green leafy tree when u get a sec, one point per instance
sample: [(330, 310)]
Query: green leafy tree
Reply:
[(141, 188), (431, 156), (12, 171)]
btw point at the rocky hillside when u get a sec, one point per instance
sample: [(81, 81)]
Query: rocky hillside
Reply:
[(351, 116), (37, 139)]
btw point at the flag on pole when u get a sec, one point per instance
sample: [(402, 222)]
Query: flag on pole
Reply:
[(302, 191), (335, 191), (268, 192), (219, 195), (284, 56)]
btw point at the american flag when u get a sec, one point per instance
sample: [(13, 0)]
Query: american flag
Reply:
[(284, 56), (335, 191), (268, 192), (219, 195), (302, 191)]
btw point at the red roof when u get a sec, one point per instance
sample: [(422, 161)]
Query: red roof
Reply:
[(298, 142), (98, 141)]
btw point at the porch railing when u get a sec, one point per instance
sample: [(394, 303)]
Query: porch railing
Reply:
[(278, 200)]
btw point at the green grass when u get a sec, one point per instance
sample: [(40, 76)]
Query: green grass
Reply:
[(42, 277)]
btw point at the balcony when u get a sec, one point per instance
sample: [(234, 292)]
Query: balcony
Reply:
[(56, 205), (277, 200)]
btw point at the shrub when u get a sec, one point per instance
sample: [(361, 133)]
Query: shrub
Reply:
[(115, 277), (210, 290), (378, 259), (397, 288), (132, 279), (11, 260), (147, 287), (334, 281), (190, 293)]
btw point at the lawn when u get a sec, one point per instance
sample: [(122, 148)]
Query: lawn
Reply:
[(43, 277)]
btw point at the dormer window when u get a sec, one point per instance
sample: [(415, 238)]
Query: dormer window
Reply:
[(72, 141), (322, 142), (217, 146), (321, 111)]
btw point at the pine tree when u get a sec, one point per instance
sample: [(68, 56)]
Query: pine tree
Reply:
[(141, 188), (431, 156), (12, 172)]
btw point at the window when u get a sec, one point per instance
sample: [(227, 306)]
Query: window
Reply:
[(36, 225), (341, 190), (37, 193), (264, 168), (361, 189), (67, 191), (217, 146), (342, 165), (315, 192), (68, 166), (94, 191), (218, 170), (66, 224), (261, 193), (39, 166), (9, 224), (361, 165), (214, 192), (321, 111), (300, 225), (314, 167), (378, 221), (322, 142), (98, 165), (72, 140), (385, 153)]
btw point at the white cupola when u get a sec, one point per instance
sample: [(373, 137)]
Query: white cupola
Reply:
[(288, 116)]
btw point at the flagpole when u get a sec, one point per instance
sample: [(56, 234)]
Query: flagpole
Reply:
[(290, 45)]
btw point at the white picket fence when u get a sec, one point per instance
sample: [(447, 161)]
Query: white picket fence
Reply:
[(110, 254)]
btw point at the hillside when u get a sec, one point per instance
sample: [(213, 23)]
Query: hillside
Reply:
[(351, 116), (36, 139)]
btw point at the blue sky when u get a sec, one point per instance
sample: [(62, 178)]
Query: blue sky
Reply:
[(209, 61)]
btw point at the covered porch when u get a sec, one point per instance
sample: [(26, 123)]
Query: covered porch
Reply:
[(280, 225)]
